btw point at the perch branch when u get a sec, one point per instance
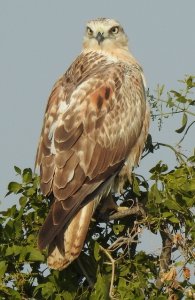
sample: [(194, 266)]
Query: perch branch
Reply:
[(136, 210)]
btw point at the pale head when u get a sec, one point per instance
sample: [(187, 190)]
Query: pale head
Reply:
[(104, 34)]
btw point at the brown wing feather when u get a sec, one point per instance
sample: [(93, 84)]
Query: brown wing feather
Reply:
[(82, 146)]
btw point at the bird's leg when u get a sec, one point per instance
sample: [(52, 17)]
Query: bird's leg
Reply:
[(108, 203)]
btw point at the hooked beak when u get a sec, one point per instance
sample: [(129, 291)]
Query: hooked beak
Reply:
[(99, 37)]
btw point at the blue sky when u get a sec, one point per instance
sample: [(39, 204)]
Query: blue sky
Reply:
[(39, 40)]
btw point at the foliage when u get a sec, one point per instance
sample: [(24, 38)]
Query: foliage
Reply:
[(110, 266)]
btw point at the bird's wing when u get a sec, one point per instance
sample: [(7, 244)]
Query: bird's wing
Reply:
[(93, 118)]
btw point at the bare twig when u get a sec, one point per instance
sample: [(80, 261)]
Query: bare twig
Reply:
[(176, 106), (112, 261), (185, 133), (177, 154), (131, 238)]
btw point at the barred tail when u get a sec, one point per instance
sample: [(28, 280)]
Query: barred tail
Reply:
[(68, 244)]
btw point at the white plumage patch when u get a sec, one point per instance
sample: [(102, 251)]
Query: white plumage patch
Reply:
[(51, 131), (51, 137), (63, 107)]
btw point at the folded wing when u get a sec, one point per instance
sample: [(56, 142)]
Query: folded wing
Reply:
[(94, 118)]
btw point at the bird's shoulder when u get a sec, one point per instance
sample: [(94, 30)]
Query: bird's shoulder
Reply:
[(90, 69), (95, 90)]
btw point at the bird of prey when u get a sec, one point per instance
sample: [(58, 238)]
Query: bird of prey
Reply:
[(95, 126)]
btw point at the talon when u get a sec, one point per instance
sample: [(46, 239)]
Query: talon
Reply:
[(108, 203)]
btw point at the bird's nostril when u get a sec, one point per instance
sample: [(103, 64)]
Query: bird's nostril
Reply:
[(100, 37)]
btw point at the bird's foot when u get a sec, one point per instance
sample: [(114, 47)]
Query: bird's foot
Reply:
[(108, 204), (121, 208)]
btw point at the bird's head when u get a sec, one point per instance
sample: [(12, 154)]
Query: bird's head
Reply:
[(104, 34)]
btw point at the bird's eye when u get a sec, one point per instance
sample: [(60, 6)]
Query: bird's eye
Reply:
[(114, 30), (89, 31)]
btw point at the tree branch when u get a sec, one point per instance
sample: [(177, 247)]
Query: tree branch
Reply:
[(112, 262), (135, 210), (165, 256), (177, 154)]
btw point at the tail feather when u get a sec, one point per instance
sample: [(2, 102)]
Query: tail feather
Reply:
[(68, 244)]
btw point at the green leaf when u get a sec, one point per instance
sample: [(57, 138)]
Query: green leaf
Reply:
[(11, 211), (190, 82), (31, 191), (161, 89), (27, 175), (18, 170), (18, 227), (14, 187), (3, 268), (66, 295), (97, 251), (155, 194), (192, 158), (48, 289), (172, 204), (118, 228), (9, 230), (175, 93), (191, 102), (23, 201), (13, 250), (58, 297), (174, 219), (167, 214), (191, 185), (13, 294), (136, 188), (170, 102), (159, 168), (34, 254), (181, 99), (184, 123), (101, 288)]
